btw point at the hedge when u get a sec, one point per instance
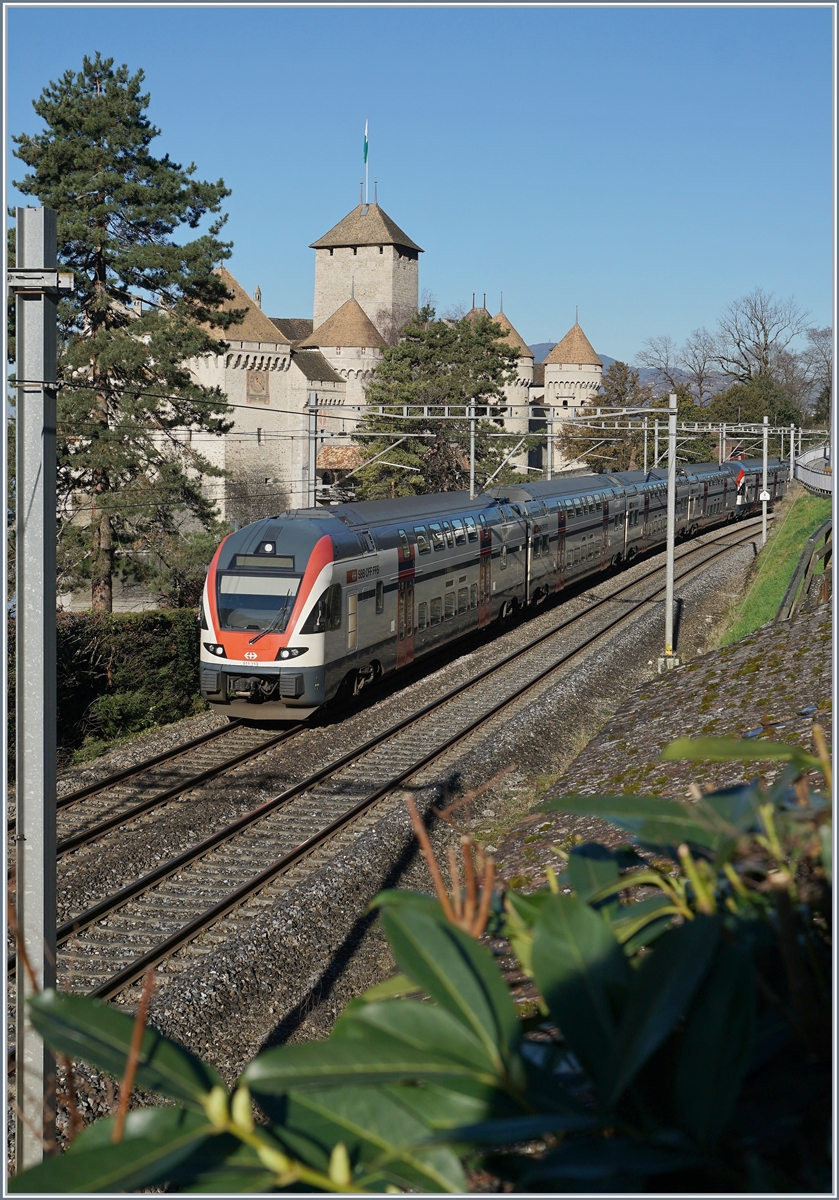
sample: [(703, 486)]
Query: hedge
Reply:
[(118, 674)]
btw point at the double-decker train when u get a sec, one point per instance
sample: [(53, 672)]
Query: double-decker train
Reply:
[(316, 603)]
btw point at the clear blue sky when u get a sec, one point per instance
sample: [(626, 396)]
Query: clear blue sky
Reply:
[(647, 164)]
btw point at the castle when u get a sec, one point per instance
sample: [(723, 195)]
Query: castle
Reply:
[(276, 370)]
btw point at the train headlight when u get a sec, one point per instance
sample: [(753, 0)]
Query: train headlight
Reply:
[(215, 648), (289, 652)]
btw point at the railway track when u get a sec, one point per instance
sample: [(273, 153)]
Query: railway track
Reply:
[(110, 945)]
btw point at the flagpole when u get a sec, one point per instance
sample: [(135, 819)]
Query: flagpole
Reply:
[(366, 168)]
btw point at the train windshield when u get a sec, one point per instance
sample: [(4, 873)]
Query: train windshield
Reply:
[(256, 602)]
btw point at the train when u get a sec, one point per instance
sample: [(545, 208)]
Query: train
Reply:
[(315, 604)]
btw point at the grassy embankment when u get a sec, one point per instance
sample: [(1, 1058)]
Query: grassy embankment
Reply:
[(796, 518)]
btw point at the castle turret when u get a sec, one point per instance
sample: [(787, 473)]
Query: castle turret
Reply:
[(572, 371), (368, 257), (351, 344)]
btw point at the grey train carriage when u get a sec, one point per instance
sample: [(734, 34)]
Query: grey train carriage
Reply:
[(316, 603)]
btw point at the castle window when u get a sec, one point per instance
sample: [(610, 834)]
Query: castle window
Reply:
[(381, 249), (330, 252), (337, 349), (564, 403), (258, 436), (355, 249)]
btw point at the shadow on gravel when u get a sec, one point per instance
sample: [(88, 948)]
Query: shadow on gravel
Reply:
[(343, 955)]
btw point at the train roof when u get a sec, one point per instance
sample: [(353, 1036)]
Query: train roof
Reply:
[(387, 512)]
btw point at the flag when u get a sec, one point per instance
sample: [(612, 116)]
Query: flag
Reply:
[(365, 142)]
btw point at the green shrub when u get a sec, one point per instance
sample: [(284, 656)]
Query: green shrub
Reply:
[(682, 1041), (118, 674)]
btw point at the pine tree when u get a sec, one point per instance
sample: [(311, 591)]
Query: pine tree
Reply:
[(436, 363), (143, 305)]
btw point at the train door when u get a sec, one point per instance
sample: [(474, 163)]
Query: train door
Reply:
[(352, 621), (485, 575), (560, 549), (405, 602), (604, 537)]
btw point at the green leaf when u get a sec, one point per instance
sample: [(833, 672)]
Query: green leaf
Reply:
[(155, 1141), (652, 819), (99, 1034), (404, 898), (590, 868), (583, 975), (662, 989), (458, 973), (615, 1164), (222, 1165), (710, 749), (717, 1045), (419, 1041), (629, 920), (381, 1135), (506, 1131)]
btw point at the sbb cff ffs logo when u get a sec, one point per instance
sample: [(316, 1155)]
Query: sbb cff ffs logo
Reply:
[(250, 654)]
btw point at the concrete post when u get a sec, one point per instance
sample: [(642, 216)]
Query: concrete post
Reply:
[(645, 445), (472, 450), (669, 659), (764, 495), (550, 463), (35, 307)]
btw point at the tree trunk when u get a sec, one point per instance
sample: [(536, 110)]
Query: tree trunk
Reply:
[(103, 564)]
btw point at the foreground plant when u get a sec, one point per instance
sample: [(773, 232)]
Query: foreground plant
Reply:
[(682, 1043)]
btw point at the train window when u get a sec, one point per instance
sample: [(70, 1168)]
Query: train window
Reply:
[(503, 558), (462, 599), (576, 554), (473, 596), (483, 520), (599, 502), (256, 601), (451, 605), (380, 596), (447, 530), (406, 545), (421, 535), (590, 501), (367, 543), (436, 610), (459, 531), (578, 506), (422, 616), (437, 539), (471, 530)]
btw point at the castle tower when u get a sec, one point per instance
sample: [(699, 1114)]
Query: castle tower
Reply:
[(572, 371), (351, 344), (367, 257)]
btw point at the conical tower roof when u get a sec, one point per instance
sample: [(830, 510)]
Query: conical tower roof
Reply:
[(366, 225), (512, 338), (348, 326), (255, 327), (574, 348)]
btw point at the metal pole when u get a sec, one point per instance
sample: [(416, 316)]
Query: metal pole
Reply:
[(792, 452), (724, 443), (472, 450), (764, 495), (645, 444), (35, 673), (655, 444), (669, 660), (311, 476), (550, 466)]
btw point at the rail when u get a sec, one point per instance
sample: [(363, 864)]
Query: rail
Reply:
[(802, 577), (815, 479)]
